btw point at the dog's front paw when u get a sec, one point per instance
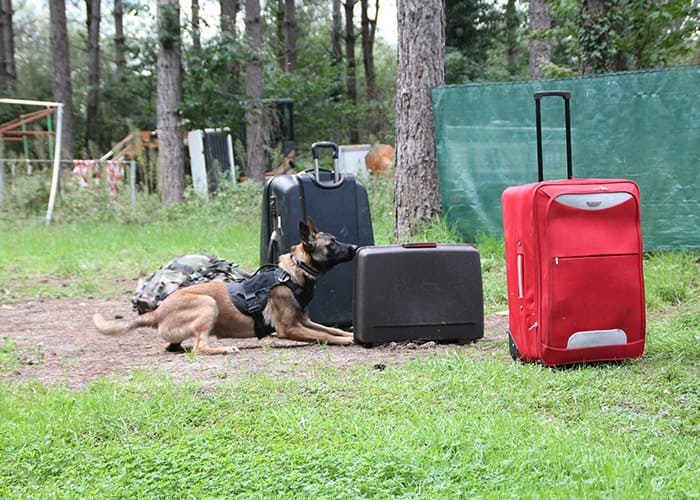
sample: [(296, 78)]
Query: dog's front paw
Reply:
[(235, 350)]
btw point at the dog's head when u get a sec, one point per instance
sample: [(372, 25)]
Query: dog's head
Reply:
[(323, 249)]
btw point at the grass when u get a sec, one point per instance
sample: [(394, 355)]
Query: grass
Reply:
[(447, 427), (468, 424)]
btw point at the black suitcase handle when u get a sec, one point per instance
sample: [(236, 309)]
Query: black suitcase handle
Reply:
[(324, 144), (538, 118), (314, 153)]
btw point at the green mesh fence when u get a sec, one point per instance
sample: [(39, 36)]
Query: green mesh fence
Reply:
[(643, 126)]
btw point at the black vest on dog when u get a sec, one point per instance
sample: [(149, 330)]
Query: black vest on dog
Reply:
[(250, 296)]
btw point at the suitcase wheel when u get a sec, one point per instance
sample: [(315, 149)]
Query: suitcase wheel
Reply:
[(512, 347)]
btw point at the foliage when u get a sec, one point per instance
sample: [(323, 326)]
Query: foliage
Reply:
[(208, 105), (27, 196), (471, 30), (660, 33), (624, 35), (485, 41)]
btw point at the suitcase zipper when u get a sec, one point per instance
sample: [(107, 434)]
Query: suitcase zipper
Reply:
[(570, 257)]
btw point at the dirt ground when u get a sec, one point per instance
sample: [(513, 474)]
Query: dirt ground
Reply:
[(56, 343)]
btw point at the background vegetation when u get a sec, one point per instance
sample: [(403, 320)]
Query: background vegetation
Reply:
[(486, 40), (471, 423)]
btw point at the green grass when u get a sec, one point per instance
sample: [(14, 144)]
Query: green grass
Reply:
[(472, 424), (86, 258), (446, 427)]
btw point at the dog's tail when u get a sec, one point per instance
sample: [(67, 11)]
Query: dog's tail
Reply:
[(116, 327)]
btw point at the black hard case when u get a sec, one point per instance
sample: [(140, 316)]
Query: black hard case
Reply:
[(338, 204), (418, 292)]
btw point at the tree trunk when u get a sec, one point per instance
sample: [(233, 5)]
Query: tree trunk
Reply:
[(229, 11), (171, 150), (596, 34), (62, 85), (290, 36), (351, 65), (337, 34), (196, 31), (119, 38), (369, 29), (279, 34), (540, 48), (255, 152), (8, 68), (93, 48), (512, 26), (421, 66)]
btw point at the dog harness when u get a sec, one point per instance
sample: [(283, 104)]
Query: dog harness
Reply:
[(250, 295)]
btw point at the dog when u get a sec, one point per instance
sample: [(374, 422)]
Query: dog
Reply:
[(208, 309)]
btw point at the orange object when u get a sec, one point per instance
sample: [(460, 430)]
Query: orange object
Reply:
[(381, 159)]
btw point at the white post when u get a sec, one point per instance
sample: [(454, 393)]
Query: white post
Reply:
[(132, 182), (229, 143), (56, 162)]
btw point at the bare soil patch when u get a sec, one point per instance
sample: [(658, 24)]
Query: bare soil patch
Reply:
[(57, 344)]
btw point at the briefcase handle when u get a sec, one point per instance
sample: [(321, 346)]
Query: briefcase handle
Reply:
[(567, 117)]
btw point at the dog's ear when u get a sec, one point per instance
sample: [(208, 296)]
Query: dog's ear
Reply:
[(311, 224), (305, 231)]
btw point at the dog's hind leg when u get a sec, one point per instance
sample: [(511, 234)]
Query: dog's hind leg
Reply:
[(174, 347), (190, 315)]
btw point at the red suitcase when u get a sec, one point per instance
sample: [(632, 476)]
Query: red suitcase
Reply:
[(574, 266)]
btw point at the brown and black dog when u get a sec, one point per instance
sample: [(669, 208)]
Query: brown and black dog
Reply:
[(207, 309)]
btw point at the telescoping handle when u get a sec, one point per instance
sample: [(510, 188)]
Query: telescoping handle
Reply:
[(314, 153), (567, 116)]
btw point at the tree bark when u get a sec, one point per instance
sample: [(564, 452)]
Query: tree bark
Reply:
[(290, 36), (119, 38), (337, 34), (421, 66), (540, 48), (229, 11), (93, 48), (369, 29), (512, 47), (351, 64), (255, 153), (196, 30), (8, 68), (279, 34), (171, 150), (62, 85)]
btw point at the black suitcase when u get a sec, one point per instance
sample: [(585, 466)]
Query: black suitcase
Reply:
[(338, 204), (419, 291)]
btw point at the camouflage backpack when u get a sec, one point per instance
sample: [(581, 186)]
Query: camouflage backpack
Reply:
[(186, 270)]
